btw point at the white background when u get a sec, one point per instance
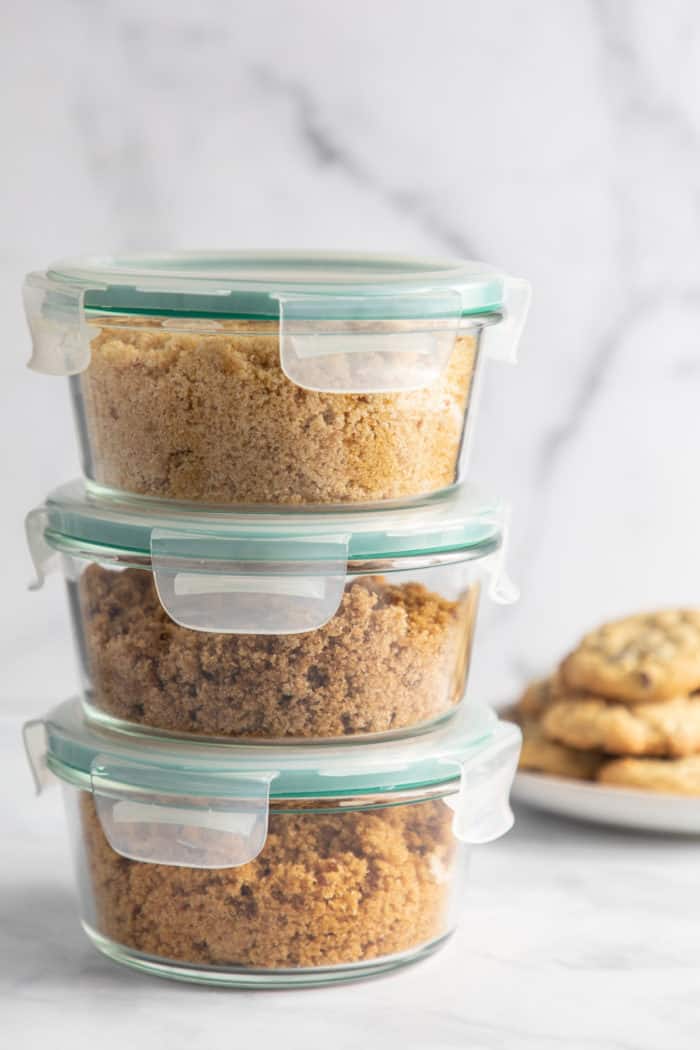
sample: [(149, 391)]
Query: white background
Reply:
[(560, 141)]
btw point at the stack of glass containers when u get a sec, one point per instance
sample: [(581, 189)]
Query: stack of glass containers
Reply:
[(274, 564)]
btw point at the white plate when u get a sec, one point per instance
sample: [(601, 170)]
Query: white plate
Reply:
[(623, 807)]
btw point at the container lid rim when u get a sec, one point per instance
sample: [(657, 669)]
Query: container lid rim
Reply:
[(252, 284), (461, 520), (319, 770)]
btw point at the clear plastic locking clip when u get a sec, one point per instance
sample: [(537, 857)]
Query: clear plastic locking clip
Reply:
[(60, 333), (501, 340), (181, 817), (366, 344), (502, 589), (34, 736), (248, 585), (43, 556), (482, 810)]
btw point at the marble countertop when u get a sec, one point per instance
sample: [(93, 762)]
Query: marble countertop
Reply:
[(572, 936)]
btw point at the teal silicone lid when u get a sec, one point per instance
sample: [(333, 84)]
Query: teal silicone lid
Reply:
[(78, 752), (459, 521), (252, 285)]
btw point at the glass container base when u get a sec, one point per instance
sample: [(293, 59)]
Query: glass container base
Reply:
[(103, 719), (232, 977)]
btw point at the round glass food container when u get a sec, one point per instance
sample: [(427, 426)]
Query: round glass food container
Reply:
[(272, 625), (274, 378), (270, 866)]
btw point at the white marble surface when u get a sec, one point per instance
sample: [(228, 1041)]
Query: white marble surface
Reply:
[(572, 937), (561, 141)]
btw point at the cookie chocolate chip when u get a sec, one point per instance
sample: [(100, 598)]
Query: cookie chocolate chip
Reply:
[(670, 727), (542, 755), (651, 656), (677, 776)]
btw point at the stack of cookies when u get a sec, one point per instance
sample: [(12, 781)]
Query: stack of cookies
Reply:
[(623, 708)]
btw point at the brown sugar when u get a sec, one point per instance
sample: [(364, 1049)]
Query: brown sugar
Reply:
[(213, 418), (328, 888), (393, 656)]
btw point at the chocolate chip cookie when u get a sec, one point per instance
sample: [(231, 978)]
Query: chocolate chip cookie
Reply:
[(542, 755), (669, 728), (677, 776), (533, 700), (651, 656)]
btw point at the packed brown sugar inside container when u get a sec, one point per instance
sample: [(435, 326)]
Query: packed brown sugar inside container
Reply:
[(213, 418)]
